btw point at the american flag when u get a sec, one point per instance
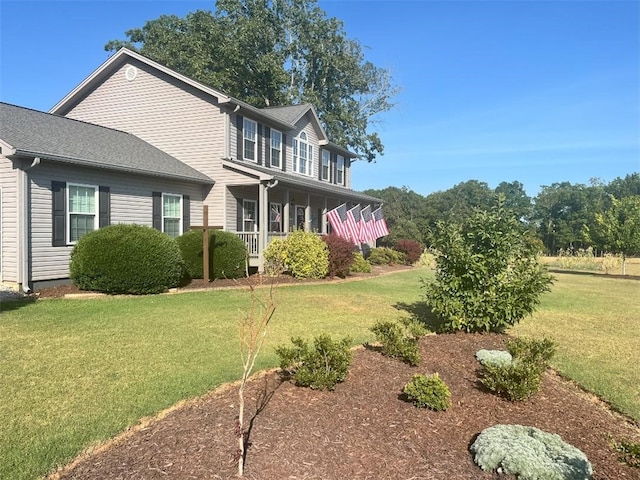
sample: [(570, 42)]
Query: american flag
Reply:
[(354, 216), (352, 226), (367, 223), (380, 225), (337, 218)]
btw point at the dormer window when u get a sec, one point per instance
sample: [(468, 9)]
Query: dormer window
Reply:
[(302, 155), (249, 132)]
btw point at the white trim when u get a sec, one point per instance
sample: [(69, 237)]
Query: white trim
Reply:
[(68, 212)]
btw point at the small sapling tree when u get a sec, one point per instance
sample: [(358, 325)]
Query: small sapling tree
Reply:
[(488, 276), (253, 331)]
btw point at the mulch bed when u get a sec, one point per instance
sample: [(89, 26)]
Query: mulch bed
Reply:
[(362, 430)]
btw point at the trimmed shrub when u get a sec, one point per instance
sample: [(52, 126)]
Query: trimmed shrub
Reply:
[(360, 265), (307, 256), (341, 255), (428, 392), (227, 254), (126, 258), (522, 377), (529, 453), (400, 340), (495, 357), (320, 366), (275, 257), (385, 256), (411, 250)]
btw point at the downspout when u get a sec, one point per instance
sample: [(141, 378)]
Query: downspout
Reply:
[(23, 226)]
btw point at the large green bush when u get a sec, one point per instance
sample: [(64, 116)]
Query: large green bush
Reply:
[(488, 275), (529, 453), (227, 254), (307, 256), (126, 259), (320, 366)]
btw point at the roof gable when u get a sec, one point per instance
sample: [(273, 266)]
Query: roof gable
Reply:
[(52, 137)]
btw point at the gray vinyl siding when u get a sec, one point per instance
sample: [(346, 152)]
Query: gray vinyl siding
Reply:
[(174, 117), (131, 202), (9, 214)]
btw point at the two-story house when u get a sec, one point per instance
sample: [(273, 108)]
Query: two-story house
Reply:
[(262, 172)]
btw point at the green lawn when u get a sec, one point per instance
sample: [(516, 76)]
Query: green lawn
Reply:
[(75, 372)]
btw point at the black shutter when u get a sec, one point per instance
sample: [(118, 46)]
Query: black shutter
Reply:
[(59, 211), (104, 207), (334, 168), (186, 213), (157, 210), (239, 214), (239, 136), (284, 152), (267, 147), (259, 144)]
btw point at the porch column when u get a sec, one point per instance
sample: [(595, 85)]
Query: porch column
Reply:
[(307, 214), (263, 215), (285, 221)]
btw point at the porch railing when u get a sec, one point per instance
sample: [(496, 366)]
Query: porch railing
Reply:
[(251, 240)]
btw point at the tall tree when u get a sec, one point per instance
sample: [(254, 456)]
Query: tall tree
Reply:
[(516, 199), (274, 52)]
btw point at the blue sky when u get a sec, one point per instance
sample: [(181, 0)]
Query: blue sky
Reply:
[(535, 91)]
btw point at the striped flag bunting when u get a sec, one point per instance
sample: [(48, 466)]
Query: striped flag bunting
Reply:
[(380, 224), (337, 218), (367, 223)]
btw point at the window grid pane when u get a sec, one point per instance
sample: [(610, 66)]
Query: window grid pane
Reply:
[(249, 134), (79, 225), (82, 199), (171, 215)]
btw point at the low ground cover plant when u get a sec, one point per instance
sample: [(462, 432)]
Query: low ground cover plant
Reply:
[(428, 391), (126, 259), (495, 357), (628, 451), (400, 339), (522, 377), (319, 366), (529, 453)]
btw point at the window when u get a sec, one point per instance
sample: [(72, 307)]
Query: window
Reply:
[(302, 155), (275, 217), (340, 170), (326, 165), (249, 215), (249, 132), (276, 148), (172, 214), (82, 202)]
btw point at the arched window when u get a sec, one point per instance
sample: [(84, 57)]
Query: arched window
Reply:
[(302, 155)]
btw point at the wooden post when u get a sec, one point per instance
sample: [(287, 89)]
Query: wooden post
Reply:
[(205, 240)]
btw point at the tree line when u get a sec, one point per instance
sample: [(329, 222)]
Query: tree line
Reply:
[(562, 215)]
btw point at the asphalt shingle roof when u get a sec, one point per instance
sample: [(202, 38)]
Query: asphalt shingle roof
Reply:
[(62, 139), (289, 113)]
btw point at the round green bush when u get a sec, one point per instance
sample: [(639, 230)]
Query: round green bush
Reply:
[(386, 256), (227, 254), (275, 257), (529, 453), (360, 265), (126, 258), (428, 392), (307, 256)]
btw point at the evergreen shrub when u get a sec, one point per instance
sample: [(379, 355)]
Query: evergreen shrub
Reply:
[(400, 340), (320, 366), (341, 255), (529, 453), (275, 257), (126, 258), (428, 392), (385, 256), (227, 254), (307, 256), (411, 250), (360, 265)]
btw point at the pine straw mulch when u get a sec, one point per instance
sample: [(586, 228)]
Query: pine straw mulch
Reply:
[(362, 430)]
